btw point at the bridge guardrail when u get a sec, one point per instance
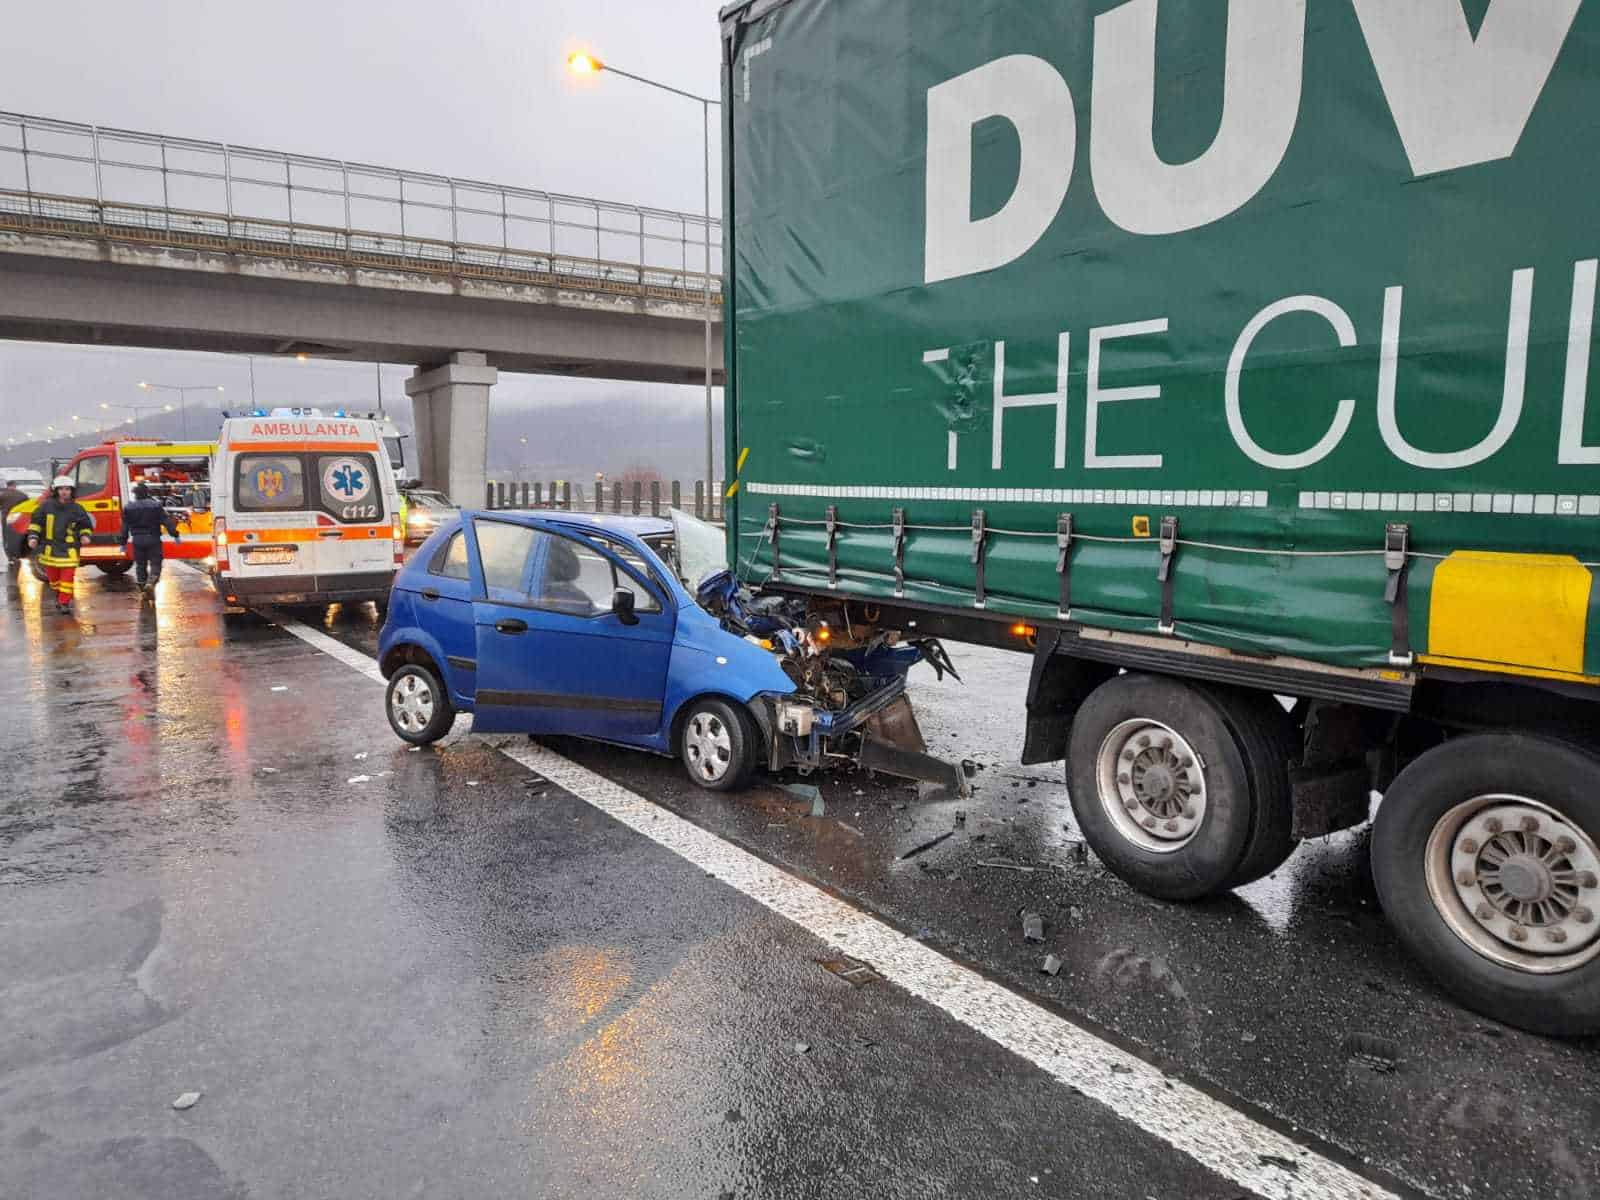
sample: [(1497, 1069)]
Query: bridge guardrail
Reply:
[(84, 180)]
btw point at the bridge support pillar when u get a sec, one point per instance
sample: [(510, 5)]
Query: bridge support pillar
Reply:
[(450, 412)]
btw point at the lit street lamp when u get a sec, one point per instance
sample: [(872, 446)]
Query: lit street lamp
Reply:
[(183, 413), (586, 64)]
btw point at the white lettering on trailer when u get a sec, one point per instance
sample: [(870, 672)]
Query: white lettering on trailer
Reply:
[(1460, 100), (1092, 458), (1457, 101), (1057, 398), (1030, 93), (1511, 398), (1140, 192), (1343, 327), (1580, 344)]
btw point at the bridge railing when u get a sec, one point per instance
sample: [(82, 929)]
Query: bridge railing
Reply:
[(69, 178)]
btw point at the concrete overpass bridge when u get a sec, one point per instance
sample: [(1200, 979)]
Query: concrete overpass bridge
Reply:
[(114, 237)]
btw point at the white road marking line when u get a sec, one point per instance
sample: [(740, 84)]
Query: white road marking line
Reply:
[(1216, 1136)]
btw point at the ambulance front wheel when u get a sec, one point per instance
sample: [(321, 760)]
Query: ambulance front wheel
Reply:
[(419, 708)]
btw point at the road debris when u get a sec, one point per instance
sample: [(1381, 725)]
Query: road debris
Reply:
[(187, 1100), (1003, 864), (1032, 926), (801, 791), (927, 845), (1377, 1054), (269, 770), (851, 829), (852, 970), (818, 808), (1277, 1160), (362, 756), (1247, 1037), (802, 1047), (1051, 965), (280, 687), (472, 783), (359, 779)]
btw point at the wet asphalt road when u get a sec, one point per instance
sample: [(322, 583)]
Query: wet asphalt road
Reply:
[(450, 978)]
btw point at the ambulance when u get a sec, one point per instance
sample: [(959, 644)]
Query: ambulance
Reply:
[(306, 510), (177, 473)]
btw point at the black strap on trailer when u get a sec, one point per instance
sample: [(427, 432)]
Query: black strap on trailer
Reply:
[(832, 523), (1397, 561), (1064, 564), (1169, 551), (979, 534), (899, 519), (772, 532)]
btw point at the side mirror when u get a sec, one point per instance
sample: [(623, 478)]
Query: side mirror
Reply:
[(622, 606)]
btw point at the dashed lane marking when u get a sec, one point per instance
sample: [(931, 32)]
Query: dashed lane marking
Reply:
[(1215, 1135)]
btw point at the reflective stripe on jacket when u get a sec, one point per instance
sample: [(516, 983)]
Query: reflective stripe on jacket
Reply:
[(60, 529)]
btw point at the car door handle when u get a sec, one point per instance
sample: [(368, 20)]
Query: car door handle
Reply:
[(430, 593), (511, 625), (330, 533)]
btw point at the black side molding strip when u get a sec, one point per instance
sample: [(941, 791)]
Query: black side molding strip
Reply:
[(618, 704), (462, 664)]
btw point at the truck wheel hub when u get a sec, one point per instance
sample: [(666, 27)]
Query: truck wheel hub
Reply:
[(1152, 785), (1518, 882)]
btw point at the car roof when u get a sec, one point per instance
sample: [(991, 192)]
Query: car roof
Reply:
[(640, 526)]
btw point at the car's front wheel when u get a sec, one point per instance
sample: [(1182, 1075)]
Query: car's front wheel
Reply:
[(717, 745), (419, 708)]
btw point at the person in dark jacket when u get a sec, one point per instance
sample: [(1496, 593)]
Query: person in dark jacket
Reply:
[(10, 496), (142, 523), (59, 525)]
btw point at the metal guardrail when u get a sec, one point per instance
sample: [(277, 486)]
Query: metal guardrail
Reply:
[(68, 179)]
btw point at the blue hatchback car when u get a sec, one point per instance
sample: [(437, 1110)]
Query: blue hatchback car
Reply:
[(556, 623)]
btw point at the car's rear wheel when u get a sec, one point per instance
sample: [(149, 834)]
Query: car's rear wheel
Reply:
[(419, 708), (717, 746)]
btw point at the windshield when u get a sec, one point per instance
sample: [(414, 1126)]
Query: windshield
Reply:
[(702, 548), (429, 499)]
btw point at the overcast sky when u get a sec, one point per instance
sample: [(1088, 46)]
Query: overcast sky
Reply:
[(476, 89)]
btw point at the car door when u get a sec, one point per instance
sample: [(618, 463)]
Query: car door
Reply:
[(97, 491), (556, 658), (444, 609)]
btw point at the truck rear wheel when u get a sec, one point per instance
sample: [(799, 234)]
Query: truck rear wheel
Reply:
[(1160, 787), (115, 567), (1486, 856), (1266, 740)]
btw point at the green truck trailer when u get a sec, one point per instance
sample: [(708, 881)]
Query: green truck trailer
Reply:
[(1238, 369)]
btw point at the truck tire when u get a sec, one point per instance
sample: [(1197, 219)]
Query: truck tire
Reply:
[(419, 707), (1267, 742), (1159, 786), (717, 745), (1486, 857), (114, 568)]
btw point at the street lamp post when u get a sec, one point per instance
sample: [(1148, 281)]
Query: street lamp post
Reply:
[(183, 411), (587, 64)]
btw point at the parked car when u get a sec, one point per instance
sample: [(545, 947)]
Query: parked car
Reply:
[(425, 509), (565, 623)]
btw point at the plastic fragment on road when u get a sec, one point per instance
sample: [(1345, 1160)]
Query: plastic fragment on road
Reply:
[(269, 770), (187, 1100), (802, 1047), (1374, 1053), (1032, 926), (280, 687), (359, 779), (362, 756), (1051, 965), (927, 845), (851, 829), (1277, 1160), (1247, 1037), (472, 783), (1002, 864)]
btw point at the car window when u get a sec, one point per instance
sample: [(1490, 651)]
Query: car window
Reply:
[(450, 560), (577, 579), (350, 486), (269, 483), (91, 475), (504, 549), (644, 599)]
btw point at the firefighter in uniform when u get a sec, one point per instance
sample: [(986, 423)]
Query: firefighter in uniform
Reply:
[(60, 524)]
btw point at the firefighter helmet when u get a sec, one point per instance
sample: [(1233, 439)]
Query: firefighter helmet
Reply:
[(62, 481)]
